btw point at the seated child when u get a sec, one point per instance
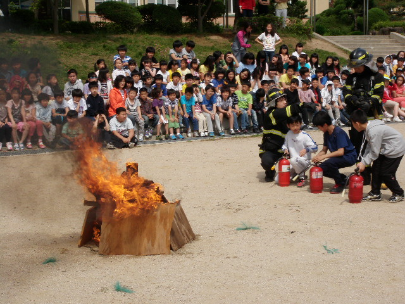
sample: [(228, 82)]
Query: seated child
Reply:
[(308, 100), (150, 119), (72, 84), (235, 108), (16, 119), (330, 102), (147, 83), (148, 69), (77, 103), (101, 128), (209, 108), (184, 70), (188, 104), (44, 116), (298, 145), (259, 107), (136, 76), (72, 131), (150, 54), (30, 117), (5, 129), (33, 85), (159, 110), (133, 106), (189, 80), (224, 107), (164, 72), (172, 114), (176, 53), (119, 69), (175, 84), (91, 78), (385, 149), (159, 84), (342, 152), (188, 51), (122, 130), (122, 55), (245, 106), (59, 112), (94, 103), (202, 121), (52, 86)]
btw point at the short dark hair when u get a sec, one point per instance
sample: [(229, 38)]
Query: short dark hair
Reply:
[(188, 76), (77, 93), (133, 90), (209, 87), (91, 74), (177, 43), (190, 43), (147, 61), (120, 110), (141, 90), (171, 92), (263, 82), (359, 116), (155, 93), (345, 72), (225, 89), (93, 85), (131, 62), (72, 114), (319, 70), (295, 80), (322, 118), (58, 93), (299, 44), (380, 59), (122, 47), (72, 71), (314, 79), (189, 90), (303, 70), (290, 67), (162, 62), (136, 73), (335, 78), (150, 49), (43, 96), (260, 93), (294, 119), (176, 74), (246, 83), (158, 77), (330, 71)]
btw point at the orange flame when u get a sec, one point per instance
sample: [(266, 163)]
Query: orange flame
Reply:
[(96, 232), (132, 195)]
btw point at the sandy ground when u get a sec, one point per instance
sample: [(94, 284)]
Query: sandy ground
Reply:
[(221, 184)]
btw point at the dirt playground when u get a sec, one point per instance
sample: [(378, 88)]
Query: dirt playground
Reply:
[(309, 248)]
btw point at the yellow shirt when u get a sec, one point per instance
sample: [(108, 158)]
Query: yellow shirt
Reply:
[(284, 78), (204, 69), (171, 72), (282, 5)]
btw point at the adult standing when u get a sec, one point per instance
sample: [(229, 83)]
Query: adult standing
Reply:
[(263, 7), (240, 44), (281, 9), (246, 7)]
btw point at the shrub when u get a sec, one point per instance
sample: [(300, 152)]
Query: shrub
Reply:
[(22, 18), (77, 27), (189, 9), (127, 16), (376, 15), (109, 28), (146, 12), (320, 29), (381, 24), (167, 19), (259, 23), (297, 28)]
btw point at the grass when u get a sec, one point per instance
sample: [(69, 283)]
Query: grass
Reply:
[(58, 54)]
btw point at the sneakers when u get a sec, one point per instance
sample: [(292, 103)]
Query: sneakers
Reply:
[(337, 189), (245, 131), (21, 146), (9, 146), (40, 144), (232, 132), (29, 145), (205, 134), (131, 145), (238, 132), (387, 119), (211, 134), (147, 135), (310, 127), (395, 198), (388, 115), (221, 133), (256, 130), (179, 136), (195, 134), (202, 134), (173, 137), (159, 137), (167, 136), (372, 197), (16, 147), (189, 134), (301, 183), (140, 137), (396, 119), (110, 146)]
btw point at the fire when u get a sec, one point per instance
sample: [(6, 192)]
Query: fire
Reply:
[(132, 195), (96, 232)]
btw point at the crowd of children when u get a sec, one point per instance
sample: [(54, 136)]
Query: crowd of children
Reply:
[(124, 101)]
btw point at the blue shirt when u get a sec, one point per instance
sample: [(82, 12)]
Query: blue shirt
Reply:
[(305, 65), (339, 139), (250, 67), (188, 102), (209, 103), (216, 82), (162, 87)]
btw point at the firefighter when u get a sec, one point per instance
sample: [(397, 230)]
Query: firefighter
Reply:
[(274, 130), (363, 90)]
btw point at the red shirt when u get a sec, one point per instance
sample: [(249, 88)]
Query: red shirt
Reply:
[(247, 4)]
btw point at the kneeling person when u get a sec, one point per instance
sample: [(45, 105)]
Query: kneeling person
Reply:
[(342, 152), (385, 149), (299, 145), (122, 129)]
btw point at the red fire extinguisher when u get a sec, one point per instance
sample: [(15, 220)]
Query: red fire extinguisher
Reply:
[(356, 187), (284, 172), (316, 179)]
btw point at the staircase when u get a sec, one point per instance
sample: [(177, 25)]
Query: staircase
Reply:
[(378, 45)]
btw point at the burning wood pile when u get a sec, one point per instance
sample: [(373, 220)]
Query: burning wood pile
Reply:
[(128, 214)]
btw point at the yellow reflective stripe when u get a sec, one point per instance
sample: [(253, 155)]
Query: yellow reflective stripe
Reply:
[(288, 109), (348, 95), (376, 97), (349, 87), (280, 151), (378, 85), (261, 151), (273, 120), (275, 132)]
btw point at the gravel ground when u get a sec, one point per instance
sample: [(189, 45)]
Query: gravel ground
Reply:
[(221, 185)]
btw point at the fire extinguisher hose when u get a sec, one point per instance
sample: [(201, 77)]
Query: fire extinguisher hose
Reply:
[(356, 171)]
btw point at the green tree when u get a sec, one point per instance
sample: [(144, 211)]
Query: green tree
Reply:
[(123, 14), (201, 11), (297, 9)]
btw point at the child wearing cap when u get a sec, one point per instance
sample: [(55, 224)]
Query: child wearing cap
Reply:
[(330, 101)]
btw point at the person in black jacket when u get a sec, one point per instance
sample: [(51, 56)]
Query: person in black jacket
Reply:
[(274, 130), (95, 103)]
